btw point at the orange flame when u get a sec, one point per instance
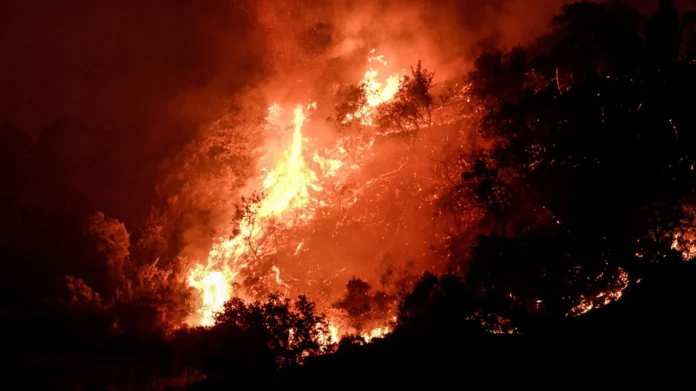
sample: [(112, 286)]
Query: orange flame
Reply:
[(602, 299), (379, 92), (287, 188), (376, 91)]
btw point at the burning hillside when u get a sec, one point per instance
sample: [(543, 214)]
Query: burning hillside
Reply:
[(310, 201)]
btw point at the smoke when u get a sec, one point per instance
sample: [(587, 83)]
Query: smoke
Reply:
[(315, 41)]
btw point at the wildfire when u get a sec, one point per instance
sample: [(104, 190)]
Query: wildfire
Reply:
[(287, 189), (292, 193), (587, 304), (286, 199), (215, 291)]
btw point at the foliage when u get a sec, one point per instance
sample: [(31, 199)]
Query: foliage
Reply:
[(351, 107), (81, 294), (152, 242), (289, 331), (139, 295), (449, 306), (411, 109), (110, 249), (587, 139), (154, 298)]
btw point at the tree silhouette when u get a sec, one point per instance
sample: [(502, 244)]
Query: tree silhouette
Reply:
[(365, 310), (111, 249), (411, 109), (289, 332)]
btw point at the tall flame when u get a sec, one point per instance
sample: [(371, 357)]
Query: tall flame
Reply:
[(287, 185), (286, 189)]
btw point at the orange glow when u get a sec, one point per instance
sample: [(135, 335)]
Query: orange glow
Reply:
[(379, 92), (685, 243), (587, 304)]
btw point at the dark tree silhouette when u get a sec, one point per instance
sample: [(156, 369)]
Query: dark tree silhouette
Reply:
[(591, 136), (411, 109)]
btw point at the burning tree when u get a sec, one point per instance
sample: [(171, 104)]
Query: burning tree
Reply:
[(412, 107)]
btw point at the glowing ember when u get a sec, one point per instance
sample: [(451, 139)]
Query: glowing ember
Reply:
[(685, 243), (336, 333), (603, 298)]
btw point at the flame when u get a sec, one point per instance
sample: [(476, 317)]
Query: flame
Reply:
[(378, 332), (287, 188), (288, 184), (337, 332), (328, 166), (376, 91), (215, 292), (331, 338)]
